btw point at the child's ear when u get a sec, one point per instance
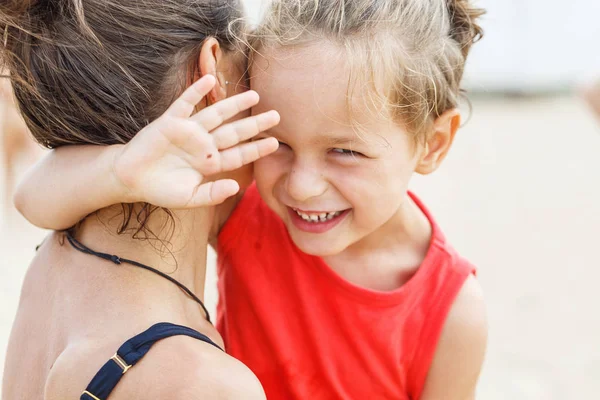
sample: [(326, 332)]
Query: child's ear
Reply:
[(439, 141), (208, 60)]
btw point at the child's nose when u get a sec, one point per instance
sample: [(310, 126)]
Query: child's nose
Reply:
[(304, 184)]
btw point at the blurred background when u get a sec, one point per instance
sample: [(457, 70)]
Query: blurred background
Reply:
[(519, 195)]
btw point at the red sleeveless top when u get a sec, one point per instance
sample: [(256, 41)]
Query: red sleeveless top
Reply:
[(309, 334)]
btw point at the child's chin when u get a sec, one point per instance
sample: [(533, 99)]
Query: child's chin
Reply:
[(317, 246)]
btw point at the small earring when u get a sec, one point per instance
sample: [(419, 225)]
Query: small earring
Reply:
[(226, 83)]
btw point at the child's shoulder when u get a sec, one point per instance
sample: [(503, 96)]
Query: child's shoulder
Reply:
[(456, 327), (464, 337)]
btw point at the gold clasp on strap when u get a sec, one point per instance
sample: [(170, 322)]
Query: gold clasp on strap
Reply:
[(120, 362), (117, 359), (91, 395)]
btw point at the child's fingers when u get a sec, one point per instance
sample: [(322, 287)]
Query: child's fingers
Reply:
[(213, 193), (247, 153), (185, 104), (215, 115), (229, 135)]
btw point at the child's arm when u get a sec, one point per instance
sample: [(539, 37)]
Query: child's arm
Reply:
[(165, 164), (68, 184), (461, 349)]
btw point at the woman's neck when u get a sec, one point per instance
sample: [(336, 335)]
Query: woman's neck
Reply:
[(175, 245)]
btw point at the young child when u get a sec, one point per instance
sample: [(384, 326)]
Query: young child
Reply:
[(335, 282)]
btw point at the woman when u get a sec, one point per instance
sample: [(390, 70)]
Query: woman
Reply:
[(96, 72)]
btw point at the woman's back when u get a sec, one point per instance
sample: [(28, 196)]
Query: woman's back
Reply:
[(76, 311), (35, 341)]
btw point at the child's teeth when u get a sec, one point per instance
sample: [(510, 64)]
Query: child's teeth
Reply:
[(322, 217)]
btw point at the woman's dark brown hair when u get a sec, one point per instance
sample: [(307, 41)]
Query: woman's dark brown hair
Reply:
[(98, 71)]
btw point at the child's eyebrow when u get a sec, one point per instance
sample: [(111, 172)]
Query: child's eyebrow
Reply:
[(325, 139), (337, 140)]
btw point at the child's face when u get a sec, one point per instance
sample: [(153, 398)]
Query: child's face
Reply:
[(350, 186)]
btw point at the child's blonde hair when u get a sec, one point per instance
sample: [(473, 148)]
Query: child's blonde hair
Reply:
[(414, 50)]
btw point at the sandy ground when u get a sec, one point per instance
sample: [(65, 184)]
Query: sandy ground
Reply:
[(520, 196)]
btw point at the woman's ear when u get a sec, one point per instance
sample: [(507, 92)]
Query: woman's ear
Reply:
[(208, 60), (439, 142)]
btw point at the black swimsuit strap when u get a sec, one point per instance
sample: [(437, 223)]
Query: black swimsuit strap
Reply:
[(130, 353), (118, 260)]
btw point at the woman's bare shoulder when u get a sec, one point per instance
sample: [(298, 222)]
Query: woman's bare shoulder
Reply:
[(184, 368)]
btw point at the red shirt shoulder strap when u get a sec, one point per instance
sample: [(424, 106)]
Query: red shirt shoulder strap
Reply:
[(438, 297)]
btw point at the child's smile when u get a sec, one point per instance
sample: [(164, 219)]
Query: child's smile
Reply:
[(316, 221)]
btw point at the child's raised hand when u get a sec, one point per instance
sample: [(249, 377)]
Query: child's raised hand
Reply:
[(167, 163)]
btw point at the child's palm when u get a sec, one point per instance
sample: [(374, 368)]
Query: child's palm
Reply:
[(168, 162)]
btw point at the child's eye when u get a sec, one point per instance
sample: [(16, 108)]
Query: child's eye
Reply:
[(346, 152)]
